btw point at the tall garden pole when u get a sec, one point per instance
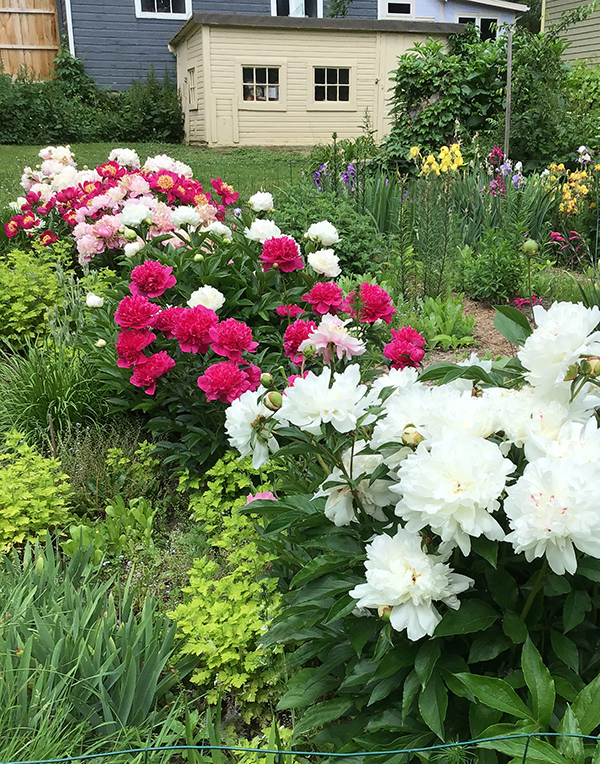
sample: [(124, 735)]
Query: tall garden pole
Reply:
[(508, 91)]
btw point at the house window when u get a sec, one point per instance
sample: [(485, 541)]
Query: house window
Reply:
[(487, 26), (391, 10), (332, 84), (169, 9), (191, 87), (260, 83), (297, 8)]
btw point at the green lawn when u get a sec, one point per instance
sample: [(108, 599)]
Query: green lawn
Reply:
[(246, 169)]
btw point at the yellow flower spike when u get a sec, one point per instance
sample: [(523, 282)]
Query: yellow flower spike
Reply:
[(414, 152)]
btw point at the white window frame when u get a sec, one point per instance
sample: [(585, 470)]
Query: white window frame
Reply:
[(478, 17), (311, 104), (274, 10), (259, 61), (191, 88), (140, 14), (382, 10)]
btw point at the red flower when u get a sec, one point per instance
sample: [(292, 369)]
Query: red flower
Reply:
[(146, 374), (166, 320), (225, 382), (289, 311), (192, 329), (151, 278), (225, 191), (325, 297), (230, 338), (294, 335), (281, 253), (129, 346), (12, 227), (136, 312), (408, 334), (374, 304), (111, 170), (47, 238), (403, 353), (29, 220)]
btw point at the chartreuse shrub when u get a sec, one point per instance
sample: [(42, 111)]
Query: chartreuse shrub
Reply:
[(230, 602), (33, 493)]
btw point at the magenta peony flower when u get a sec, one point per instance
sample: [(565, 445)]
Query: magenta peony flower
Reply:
[(289, 311), (136, 312), (325, 297), (166, 320), (408, 334), (225, 191), (293, 337), (230, 338), (151, 278), (293, 377), (192, 329), (281, 253), (403, 354), (265, 496), (224, 381), (374, 304), (146, 374), (129, 346)]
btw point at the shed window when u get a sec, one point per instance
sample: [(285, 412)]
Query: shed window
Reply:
[(332, 84), (394, 8), (260, 83), (298, 8), (487, 26), (191, 87), (163, 8)]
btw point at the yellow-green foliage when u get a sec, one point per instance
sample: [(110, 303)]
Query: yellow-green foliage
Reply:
[(33, 494), (230, 600), (29, 285)]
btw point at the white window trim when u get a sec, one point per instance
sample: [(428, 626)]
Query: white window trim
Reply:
[(319, 9), (382, 12), (312, 105), (478, 18), (140, 14), (257, 61)]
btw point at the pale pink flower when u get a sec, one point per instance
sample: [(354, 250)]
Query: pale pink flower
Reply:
[(332, 334)]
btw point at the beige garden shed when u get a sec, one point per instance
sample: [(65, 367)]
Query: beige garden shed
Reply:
[(283, 81)]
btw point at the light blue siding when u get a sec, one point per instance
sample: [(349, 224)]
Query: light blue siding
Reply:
[(454, 8)]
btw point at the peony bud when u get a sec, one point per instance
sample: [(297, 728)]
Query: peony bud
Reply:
[(39, 565), (129, 234), (411, 436), (530, 248), (198, 258), (384, 611), (100, 343), (309, 351), (266, 380), (273, 400), (591, 366), (572, 372), (93, 300)]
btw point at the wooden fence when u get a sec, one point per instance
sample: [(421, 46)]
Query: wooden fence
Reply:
[(28, 36)]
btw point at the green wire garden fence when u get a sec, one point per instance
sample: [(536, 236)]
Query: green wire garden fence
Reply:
[(517, 747)]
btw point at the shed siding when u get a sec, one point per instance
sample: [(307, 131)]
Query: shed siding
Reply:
[(584, 37)]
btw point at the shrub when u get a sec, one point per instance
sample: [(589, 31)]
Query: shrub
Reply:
[(33, 493), (496, 272), (443, 322)]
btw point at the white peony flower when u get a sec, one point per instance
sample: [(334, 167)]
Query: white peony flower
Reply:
[(552, 508), (261, 230), (207, 296), (125, 157), (575, 439), (249, 426), (185, 215), (339, 507), (311, 402), (453, 487), (262, 201), (325, 233), (18, 204), (325, 262), (400, 575), (134, 213), (93, 300), (100, 343), (220, 229), (164, 162), (564, 333), (65, 179), (132, 248)]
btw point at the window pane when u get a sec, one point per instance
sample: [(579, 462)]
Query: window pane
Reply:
[(273, 92), (261, 93), (283, 7), (248, 93), (344, 75), (248, 74), (344, 93), (488, 29), (178, 6), (398, 7), (273, 75), (466, 20), (163, 6), (332, 93), (148, 6), (261, 74), (310, 7), (332, 76), (319, 76), (320, 93)]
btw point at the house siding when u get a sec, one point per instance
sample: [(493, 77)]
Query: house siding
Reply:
[(584, 36)]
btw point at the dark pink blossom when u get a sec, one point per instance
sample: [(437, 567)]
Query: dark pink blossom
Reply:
[(136, 312), (374, 303), (281, 253), (224, 381), (289, 311), (129, 346), (325, 297), (192, 329), (293, 337), (230, 338), (403, 354), (151, 279), (409, 334), (146, 374), (166, 320)]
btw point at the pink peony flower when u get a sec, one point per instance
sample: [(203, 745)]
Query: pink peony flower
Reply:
[(224, 381), (325, 297), (192, 329), (293, 377), (330, 335), (129, 346), (151, 278), (88, 246), (166, 320), (136, 312), (288, 311), (12, 227), (47, 238), (264, 496), (408, 334), (254, 374), (374, 304), (225, 191), (293, 337), (403, 354), (146, 374), (230, 338), (281, 253)]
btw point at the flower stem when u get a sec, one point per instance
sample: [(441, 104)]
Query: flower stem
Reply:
[(535, 589)]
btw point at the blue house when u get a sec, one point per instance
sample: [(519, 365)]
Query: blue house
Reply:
[(118, 40)]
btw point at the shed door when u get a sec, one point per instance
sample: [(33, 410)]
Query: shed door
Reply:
[(226, 122)]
